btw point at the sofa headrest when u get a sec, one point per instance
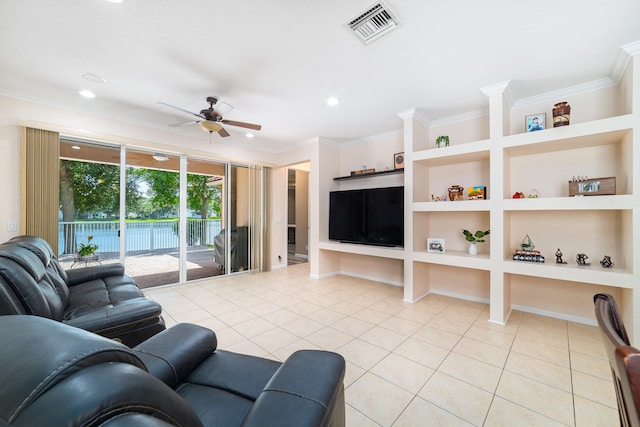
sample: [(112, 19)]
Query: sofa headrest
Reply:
[(37, 245), (25, 258), (45, 352)]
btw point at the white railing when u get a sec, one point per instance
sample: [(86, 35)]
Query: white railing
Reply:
[(140, 235)]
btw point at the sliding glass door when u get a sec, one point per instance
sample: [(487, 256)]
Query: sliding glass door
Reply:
[(152, 218), (206, 181), (167, 218), (88, 220)]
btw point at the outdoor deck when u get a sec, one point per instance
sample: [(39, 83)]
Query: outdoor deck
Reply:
[(158, 267)]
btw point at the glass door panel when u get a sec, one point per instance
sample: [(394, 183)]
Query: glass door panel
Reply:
[(152, 218), (88, 221), (205, 214)]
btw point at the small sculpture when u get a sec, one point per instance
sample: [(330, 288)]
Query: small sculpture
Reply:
[(581, 259), (606, 262), (559, 257)]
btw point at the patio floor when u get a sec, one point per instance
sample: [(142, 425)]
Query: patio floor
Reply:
[(159, 267)]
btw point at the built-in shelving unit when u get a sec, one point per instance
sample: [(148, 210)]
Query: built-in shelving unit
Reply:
[(604, 141), (369, 175), (539, 163)]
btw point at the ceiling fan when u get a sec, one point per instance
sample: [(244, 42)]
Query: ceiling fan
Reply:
[(210, 119)]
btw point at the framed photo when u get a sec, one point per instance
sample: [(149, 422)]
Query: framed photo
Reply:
[(398, 161), (435, 245), (535, 122), (593, 187), (478, 192)]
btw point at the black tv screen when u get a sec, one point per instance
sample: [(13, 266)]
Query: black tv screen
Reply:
[(372, 216)]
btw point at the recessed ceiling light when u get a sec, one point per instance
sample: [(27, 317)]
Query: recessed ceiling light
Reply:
[(249, 135), (333, 101), (115, 1), (75, 147), (161, 157), (87, 94), (93, 78)]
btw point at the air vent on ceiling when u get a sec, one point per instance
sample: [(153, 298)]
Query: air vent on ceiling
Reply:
[(374, 22)]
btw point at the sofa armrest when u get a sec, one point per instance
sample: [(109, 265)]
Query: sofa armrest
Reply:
[(105, 318), (172, 354), (307, 390), (86, 274)]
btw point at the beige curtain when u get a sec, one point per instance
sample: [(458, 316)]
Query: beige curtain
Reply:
[(40, 165), (259, 241)]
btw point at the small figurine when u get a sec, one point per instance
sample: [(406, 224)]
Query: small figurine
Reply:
[(606, 262), (581, 259), (559, 257), (518, 195)]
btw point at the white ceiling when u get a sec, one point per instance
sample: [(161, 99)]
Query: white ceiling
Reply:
[(277, 61)]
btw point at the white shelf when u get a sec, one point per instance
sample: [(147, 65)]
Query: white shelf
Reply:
[(592, 274), (458, 206), (454, 259), (590, 134), (618, 202), (377, 251)]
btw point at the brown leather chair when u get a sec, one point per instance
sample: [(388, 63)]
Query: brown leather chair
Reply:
[(623, 358)]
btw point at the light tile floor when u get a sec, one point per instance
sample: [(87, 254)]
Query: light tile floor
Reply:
[(434, 362)]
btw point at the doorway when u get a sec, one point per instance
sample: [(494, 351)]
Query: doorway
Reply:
[(298, 214)]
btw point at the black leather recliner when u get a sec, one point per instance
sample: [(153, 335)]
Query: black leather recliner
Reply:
[(100, 299), (53, 375)]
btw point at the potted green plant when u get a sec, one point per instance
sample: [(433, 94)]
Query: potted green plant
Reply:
[(442, 139), (88, 250), (473, 238)]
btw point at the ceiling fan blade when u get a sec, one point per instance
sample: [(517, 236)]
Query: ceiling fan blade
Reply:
[(222, 108), (187, 123), (242, 124), (181, 109), (223, 132)]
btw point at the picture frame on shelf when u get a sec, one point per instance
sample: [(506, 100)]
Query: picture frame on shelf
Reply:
[(593, 187), (398, 160), (435, 245), (535, 122), (478, 192)]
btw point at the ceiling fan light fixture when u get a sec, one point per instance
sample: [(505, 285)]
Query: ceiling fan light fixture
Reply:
[(160, 157), (210, 126)]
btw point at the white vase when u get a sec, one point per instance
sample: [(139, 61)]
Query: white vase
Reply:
[(473, 249)]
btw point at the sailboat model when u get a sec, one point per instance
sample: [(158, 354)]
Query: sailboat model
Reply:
[(527, 243), (528, 252)]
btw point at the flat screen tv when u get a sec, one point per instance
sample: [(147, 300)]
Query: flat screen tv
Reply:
[(372, 216)]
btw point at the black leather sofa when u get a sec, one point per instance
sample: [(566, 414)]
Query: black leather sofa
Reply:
[(53, 375), (100, 299)]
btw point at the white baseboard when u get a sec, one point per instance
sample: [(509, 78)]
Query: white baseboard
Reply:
[(561, 316), (359, 276), (459, 296)]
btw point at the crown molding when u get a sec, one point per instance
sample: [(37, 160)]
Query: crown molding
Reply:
[(414, 113), (495, 88), (625, 54), (578, 89), (470, 115)]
